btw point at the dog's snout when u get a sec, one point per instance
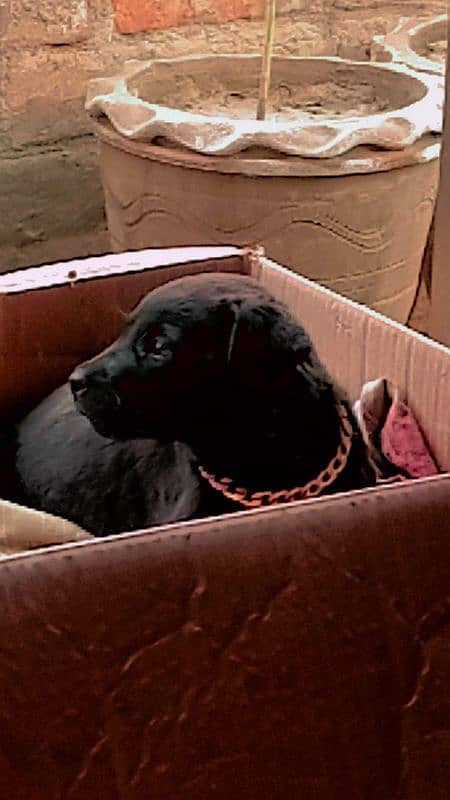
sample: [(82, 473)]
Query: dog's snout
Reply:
[(89, 373), (77, 385), (84, 381), (79, 381), (93, 394)]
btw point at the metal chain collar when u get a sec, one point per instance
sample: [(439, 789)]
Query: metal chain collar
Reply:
[(312, 489)]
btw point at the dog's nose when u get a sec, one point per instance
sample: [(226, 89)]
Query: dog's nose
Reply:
[(83, 380), (93, 394), (77, 386), (78, 381)]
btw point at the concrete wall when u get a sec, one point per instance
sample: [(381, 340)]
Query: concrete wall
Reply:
[(51, 204)]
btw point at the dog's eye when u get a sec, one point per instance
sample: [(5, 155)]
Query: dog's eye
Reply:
[(154, 345), (151, 345)]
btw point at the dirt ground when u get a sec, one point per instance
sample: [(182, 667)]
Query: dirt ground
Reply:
[(286, 101)]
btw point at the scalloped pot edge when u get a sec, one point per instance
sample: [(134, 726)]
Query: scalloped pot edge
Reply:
[(141, 121), (398, 46)]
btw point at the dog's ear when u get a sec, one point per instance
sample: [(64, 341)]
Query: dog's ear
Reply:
[(301, 348), (261, 339), (290, 344)]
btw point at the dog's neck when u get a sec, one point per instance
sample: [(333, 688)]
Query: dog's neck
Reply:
[(268, 442)]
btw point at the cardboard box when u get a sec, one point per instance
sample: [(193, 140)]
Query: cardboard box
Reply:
[(298, 651)]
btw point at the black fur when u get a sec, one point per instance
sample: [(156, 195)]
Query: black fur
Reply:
[(211, 361)]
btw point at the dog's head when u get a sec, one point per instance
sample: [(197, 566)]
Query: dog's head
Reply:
[(191, 348)]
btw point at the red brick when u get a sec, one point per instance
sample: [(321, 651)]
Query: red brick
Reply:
[(225, 10), (134, 16)]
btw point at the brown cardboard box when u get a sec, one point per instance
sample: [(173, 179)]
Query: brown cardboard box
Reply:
[(293, 652)]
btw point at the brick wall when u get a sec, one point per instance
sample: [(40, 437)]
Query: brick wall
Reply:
[(134, 16), (51, 204)]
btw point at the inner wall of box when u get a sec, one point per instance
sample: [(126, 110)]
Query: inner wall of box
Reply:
[(358, 345)]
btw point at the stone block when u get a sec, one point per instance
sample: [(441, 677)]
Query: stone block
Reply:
[(44, 95), (47, 22), (48, 197)]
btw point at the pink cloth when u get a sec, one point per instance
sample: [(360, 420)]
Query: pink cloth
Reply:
[(403, 443), (396, 444)]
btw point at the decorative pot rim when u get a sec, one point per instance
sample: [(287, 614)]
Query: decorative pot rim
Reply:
[(398, 44), (359, 161), (140, 121)]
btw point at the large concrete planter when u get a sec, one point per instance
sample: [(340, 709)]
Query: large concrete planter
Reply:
[(309, 186), (420, 46)]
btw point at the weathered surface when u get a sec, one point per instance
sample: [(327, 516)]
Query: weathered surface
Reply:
[(395, 109), (351, 233), (49, 50), (421, 47), (52, 204)]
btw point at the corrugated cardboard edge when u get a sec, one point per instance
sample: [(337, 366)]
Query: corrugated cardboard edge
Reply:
[(309, 513), (418, 365), (85, 269)]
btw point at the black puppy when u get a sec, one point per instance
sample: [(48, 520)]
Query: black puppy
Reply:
[(215, 363)]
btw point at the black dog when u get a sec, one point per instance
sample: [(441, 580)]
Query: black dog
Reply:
[(211, 361)]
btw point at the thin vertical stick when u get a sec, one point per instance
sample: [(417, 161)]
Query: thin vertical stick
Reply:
[(264, 81)]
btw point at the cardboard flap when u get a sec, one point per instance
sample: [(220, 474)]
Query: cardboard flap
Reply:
[(272, 655), (358, 345)]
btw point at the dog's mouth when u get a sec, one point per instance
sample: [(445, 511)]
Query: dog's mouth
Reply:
[(112, 419), (105, 430), (101, 408), (96, 401), (114, 428)]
